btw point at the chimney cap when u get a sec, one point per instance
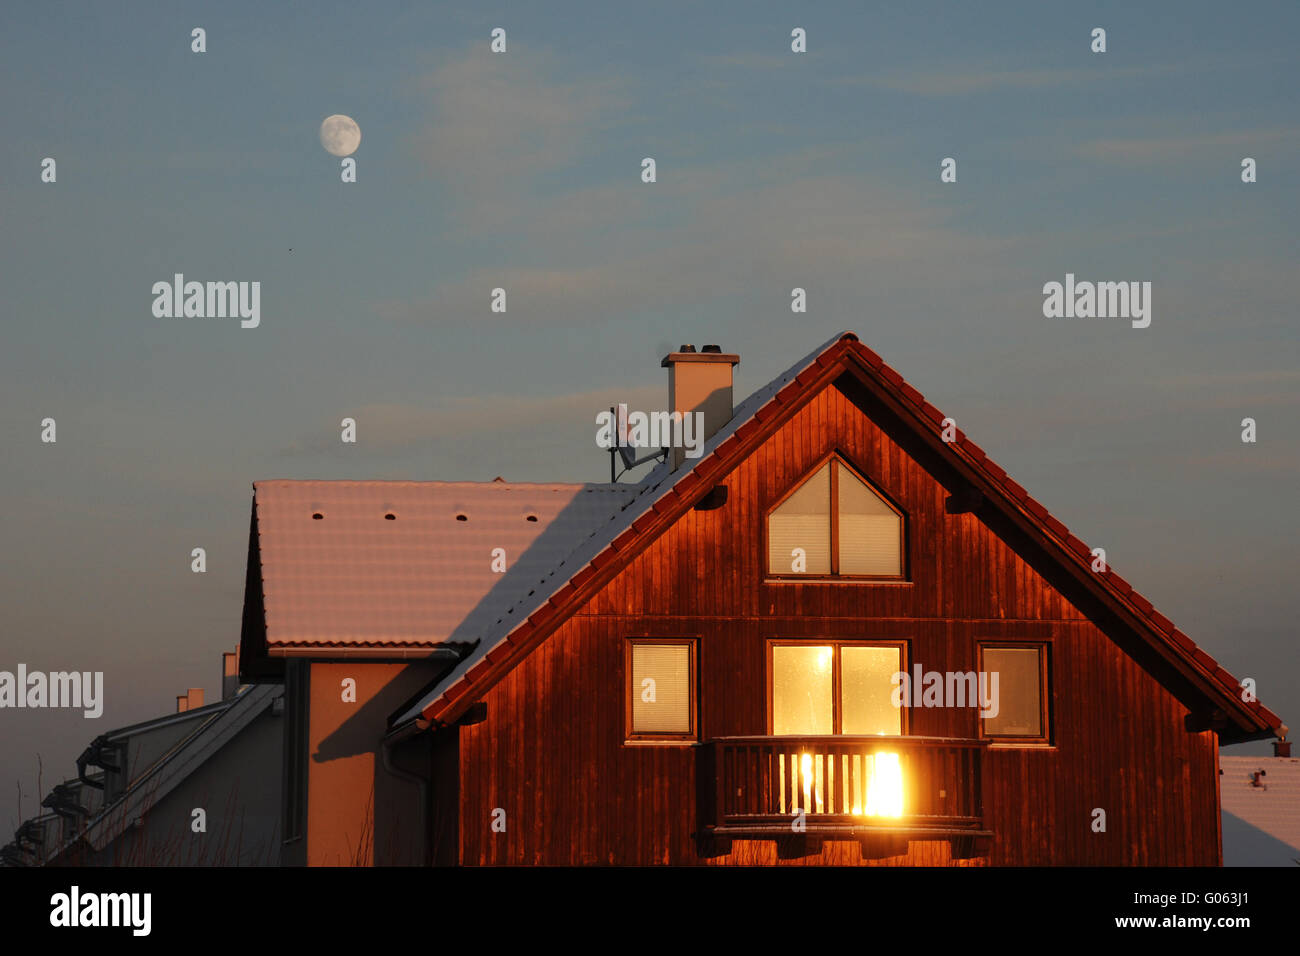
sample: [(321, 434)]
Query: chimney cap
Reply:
[(712, 354)]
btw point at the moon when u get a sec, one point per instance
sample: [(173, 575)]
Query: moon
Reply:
[(340, 135)]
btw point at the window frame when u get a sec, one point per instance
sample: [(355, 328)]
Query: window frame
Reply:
[(834, 458), (630, 735), (837, 689), (1045, 738)]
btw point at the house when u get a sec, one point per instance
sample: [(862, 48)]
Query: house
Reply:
[(1261, 808), (197, 787), (841, 635)]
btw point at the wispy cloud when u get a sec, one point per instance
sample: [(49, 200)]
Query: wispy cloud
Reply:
[(1159, 149), (971, 80), (991, 76), (500, 122), (701, 235), (397, 426)]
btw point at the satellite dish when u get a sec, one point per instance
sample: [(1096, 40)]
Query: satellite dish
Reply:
[(626, 451)]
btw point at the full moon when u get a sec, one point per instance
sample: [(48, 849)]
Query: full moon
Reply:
[(340, 135)]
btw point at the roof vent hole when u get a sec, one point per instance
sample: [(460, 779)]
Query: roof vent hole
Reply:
[(462, 517), (390, 517), (316, 516)]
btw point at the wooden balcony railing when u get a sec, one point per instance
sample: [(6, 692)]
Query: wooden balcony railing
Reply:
[(855, 785)]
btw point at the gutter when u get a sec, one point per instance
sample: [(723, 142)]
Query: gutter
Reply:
[(326, 652), (386, 745)]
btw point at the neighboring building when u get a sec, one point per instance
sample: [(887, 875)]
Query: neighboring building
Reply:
[(690, 669), (39, 838), (137, 806), (1261, 809)]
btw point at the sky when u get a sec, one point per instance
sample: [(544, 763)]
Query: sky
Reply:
[(522, 170)]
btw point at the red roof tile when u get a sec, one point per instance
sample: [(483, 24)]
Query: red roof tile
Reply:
[(1078, 546), (872, 359), (1056, 527), (1035, 509), (1015, 490)]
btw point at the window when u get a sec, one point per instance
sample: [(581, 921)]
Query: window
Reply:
[(836, 687), (834, 524), (1021, 699), (660, 689)]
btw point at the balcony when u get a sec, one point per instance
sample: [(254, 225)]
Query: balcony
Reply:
[(887, 789)]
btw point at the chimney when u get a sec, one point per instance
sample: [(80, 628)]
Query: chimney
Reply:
[(195, 697), (182, 703), (1281, 748), (700, 382), (229, 675)]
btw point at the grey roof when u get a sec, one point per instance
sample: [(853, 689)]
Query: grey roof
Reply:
[(221, 722)]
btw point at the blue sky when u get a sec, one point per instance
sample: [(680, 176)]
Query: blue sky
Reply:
[(522, 170)]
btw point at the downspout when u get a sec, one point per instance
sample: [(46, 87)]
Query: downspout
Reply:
[(386, 746)]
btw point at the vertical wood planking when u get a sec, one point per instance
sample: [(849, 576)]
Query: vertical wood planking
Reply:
[(552, 750)]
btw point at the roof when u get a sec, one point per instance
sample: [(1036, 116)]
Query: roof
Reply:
[(663, 495), (1273, 807), (224, 722), (180, 717), (336, 570), (215, 725)]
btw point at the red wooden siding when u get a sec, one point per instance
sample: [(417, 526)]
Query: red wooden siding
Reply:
[(552, 753)]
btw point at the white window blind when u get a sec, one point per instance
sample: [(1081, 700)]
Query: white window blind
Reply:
[(664, 706), (870, 531), (803, 521)]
